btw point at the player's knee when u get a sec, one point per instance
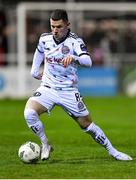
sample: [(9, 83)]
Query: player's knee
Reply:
[(31, 116), (83, 122)]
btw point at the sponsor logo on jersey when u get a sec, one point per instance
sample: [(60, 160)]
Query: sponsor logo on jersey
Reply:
[(37, 94), (65, 50), (52, 60)]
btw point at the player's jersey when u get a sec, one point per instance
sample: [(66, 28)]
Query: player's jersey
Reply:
[(55, 74)]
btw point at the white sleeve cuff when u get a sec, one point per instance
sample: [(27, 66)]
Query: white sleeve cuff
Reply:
[(84, 60)]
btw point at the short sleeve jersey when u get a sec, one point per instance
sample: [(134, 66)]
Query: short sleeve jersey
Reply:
[(55, 74)]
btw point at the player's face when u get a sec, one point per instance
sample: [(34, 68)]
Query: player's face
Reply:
[(59, 28)]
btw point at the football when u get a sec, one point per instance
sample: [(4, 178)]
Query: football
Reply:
[(29, 152)]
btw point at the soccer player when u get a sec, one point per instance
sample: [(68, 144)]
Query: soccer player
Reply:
[(62, 52)]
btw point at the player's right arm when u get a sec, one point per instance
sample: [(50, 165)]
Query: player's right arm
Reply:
[(37, 61)]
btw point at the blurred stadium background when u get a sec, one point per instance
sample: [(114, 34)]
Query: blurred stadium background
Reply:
[(108, 28)]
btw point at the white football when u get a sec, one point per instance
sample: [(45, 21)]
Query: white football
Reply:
[(29, 152)]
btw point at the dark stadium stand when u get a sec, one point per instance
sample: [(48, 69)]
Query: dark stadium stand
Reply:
[(9, 2)]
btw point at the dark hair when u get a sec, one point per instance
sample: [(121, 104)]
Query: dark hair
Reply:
[(59, 14)]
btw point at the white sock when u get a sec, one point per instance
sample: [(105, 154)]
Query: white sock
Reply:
[(99, 136), (44, 140), (35, 124), (40, 132)]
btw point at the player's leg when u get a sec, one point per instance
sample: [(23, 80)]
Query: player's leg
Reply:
[(36, 105), (31, 113), (76, 108), (98, 135)]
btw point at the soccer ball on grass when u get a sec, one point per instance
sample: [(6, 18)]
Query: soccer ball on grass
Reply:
[(29, 152)]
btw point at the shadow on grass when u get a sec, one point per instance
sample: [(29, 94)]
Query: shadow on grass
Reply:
[(84, 160)]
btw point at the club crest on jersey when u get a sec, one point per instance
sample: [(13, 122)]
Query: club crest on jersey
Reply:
[(81, 106), (65, 50)]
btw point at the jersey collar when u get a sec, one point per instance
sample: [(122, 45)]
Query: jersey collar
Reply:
[(63, 39)]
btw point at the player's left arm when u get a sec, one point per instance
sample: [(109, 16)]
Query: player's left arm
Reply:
[(82, 56), (83, 60)]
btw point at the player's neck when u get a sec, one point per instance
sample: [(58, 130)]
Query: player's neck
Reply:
[(58, 41)]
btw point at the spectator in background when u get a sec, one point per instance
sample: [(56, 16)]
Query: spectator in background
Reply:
[(93, 39), (130, 37), (3, 38)]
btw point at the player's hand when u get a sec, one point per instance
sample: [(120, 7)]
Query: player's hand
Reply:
[(67, 60), (39, 77)]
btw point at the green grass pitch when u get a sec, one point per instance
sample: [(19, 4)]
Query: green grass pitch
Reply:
[(76, 155)]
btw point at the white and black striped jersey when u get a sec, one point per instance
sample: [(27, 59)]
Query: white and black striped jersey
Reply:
[(55, 74)]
